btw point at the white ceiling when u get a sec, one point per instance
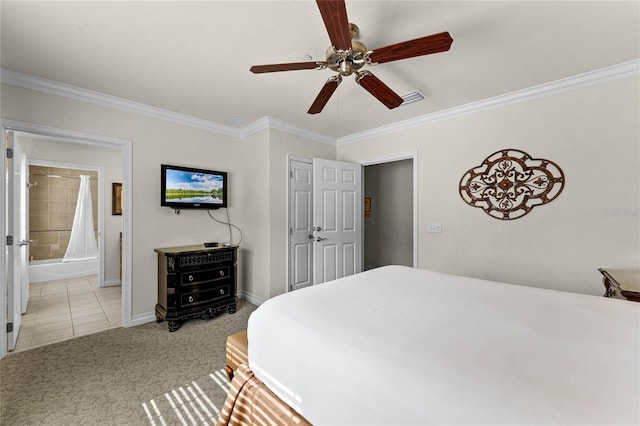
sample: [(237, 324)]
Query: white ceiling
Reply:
[(194, 57)]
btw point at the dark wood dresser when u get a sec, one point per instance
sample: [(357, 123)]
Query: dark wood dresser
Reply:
[(621, 283), (195, 282)]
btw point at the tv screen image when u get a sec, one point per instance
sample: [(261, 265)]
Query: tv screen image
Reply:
[(185, 187)]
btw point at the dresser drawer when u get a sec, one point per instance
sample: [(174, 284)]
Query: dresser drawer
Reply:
[(205, 296), (197, 277)]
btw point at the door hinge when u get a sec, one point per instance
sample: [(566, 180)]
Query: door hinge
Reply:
[(291, 174), (9, 327), (9, 240), (9, 152), (290, 231)]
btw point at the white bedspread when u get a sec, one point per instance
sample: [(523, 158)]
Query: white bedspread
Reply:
[(398, 345)]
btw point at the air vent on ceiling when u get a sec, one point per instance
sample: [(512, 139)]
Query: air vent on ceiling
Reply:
[(235, 121), (411, 97)]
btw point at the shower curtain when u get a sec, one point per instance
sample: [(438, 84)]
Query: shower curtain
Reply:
[(82, 244)]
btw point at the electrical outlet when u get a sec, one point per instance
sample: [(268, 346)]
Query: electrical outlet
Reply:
[(434, 227)]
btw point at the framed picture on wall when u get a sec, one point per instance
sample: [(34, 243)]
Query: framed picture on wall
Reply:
[(367, 206), (116, 198)]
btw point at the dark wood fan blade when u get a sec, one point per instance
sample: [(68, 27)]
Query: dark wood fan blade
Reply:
[(334, 15), (291, 66), (378, 89), (427, 45), (325, 93)]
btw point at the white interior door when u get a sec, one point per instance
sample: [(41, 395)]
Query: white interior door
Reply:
[(12, 256), (24, 224), (300, 220), (337, 219)]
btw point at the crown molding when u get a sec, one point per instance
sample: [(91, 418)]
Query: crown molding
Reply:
[(284, 126), (255, 127), (580, 81), (52, 87), (592, 78), (272, 123)]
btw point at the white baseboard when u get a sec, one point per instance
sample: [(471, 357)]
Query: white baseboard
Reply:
[(113, 283), (255, 300), (151, 316), (142, 318)]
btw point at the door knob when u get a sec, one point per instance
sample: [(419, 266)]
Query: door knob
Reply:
[(25, 242), (318, 239)]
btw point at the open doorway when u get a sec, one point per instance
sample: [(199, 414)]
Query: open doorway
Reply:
[(116, 274), (71, 292), (389, 218)]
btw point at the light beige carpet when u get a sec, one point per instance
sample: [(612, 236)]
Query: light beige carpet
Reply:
[(141, 375)]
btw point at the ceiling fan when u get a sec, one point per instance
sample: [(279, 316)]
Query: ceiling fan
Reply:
[(347, 56)]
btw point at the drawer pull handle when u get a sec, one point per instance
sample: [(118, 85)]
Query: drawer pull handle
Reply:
[(221, 291), (222, 273), (190, 277), (190, 299)]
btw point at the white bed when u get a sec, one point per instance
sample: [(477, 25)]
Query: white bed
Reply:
[(399, 345)]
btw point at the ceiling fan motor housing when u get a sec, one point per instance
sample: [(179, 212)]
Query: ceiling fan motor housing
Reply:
[(346, 62)]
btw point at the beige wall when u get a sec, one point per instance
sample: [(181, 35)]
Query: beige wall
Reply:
[(253, 198), (592, 134)]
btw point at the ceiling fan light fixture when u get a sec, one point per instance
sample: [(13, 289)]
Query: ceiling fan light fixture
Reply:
[(345, 67), (411, 97)]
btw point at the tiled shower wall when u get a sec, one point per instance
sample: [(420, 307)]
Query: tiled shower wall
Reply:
[(52, 204)]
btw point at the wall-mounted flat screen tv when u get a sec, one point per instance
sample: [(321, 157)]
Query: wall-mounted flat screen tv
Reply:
[(189, 188)]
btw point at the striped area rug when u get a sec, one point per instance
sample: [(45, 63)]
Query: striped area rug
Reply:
[(195, 403)]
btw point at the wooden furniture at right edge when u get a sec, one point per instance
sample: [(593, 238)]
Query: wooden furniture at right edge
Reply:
[(621, 283)]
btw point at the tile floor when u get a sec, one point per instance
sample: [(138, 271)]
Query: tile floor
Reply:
[(59, 310)]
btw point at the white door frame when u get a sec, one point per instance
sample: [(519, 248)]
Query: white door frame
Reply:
[(24, 228), (12, 314), (126, 148), (409, 156)]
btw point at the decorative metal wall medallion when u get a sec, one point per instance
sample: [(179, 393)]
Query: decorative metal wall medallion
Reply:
[(509, 184)]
